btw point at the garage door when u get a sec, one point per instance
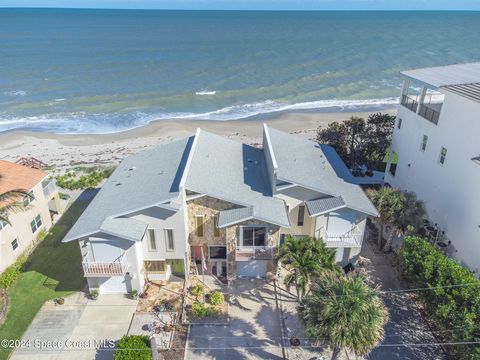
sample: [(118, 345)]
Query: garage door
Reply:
[(252, 269), (114, 284)]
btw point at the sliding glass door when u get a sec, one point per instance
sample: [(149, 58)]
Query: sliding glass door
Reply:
[(253, 236)]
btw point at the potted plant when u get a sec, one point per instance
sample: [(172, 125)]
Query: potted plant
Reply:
[(94, 294), (134, 294)]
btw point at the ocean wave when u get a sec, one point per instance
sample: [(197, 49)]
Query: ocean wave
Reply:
[(15, 93), (205, 93), (87, 123)]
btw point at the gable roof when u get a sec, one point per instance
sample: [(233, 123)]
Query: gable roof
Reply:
[(143, 180), (18, 177), (304, 163), (324, 205), (234, 172)]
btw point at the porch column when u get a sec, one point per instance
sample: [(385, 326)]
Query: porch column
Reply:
[(406, 84), (421, 98)]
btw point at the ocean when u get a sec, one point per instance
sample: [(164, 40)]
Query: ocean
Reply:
[(103, 71)]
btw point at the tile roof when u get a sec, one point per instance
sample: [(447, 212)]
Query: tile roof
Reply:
[(18, 177)]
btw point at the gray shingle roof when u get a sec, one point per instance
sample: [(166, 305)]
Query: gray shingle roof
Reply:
[(234, 172), (439, 76), (127, 228), (234, 216), (142, 180), (304, 163), (322, 206)]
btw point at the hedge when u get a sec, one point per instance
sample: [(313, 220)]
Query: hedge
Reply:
[(455, 309), (133, 347), (11, 273)]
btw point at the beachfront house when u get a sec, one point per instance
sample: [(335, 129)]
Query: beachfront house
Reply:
[(208, 199), (436, 141), (41, 204)]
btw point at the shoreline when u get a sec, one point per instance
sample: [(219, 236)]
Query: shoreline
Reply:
[(65, 150)]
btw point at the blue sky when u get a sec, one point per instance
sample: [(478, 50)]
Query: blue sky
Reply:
[(255, 4)]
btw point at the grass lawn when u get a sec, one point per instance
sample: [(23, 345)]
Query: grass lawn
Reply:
[(53, 270)]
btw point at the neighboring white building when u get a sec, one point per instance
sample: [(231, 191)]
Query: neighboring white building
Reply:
[(437, 141), (206, 196), (43, 201)]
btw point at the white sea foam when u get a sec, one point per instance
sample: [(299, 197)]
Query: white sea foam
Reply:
[(15, 93), (205, 93), (84, 123)]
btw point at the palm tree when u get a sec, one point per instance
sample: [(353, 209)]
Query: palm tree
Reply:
[(305, 257), (390, 205), (9, 202), (346, 312)]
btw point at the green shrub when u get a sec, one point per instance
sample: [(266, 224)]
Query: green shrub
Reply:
[(93, 176), (42, 234), (133, 347), (452, 307), (8, 277), (217, 298), (197, 290), (200, 310)]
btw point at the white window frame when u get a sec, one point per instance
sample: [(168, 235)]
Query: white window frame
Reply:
[(213, 259), (37, 223), (298, 215), (399, 123), (3, 225), (423, 147), (253, 226), (28, 198), (440, 161), (15, 247), (166, 231), (203, 225), (151, 248)]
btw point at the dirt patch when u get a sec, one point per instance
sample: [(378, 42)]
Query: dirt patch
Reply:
[(160, 293), (177, 349), (221, 310)]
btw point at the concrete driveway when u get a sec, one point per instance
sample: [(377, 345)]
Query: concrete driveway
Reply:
[(79, 329), (252, 333)]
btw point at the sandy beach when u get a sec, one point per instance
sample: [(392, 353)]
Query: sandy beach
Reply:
[(64, 151)]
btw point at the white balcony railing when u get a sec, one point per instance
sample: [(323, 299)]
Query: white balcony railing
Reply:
[(49, 187), (245, 253), (351, 238), (117, 267)]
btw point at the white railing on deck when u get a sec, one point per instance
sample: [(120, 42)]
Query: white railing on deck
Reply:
[(348, 239), (254, 252), (49, 187), (115, 268)]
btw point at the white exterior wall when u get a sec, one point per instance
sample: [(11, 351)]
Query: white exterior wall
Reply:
[(20, 228), (450, 191)]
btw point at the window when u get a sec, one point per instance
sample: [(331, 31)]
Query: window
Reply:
[(169, 239), (443, 155), (424, 142), (217, 252), (36, 223), (3, 224), (301, 215), (14, 244), (155, 267), (399, 123), (253, 236), (393, 163), (27, 199), (152, 240), (199, 225), (216, 229)]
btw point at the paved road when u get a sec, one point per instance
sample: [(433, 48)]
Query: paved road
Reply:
[(253, 332), (405, 325)]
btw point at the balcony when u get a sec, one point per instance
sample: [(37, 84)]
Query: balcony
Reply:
[(430, 112), (409, 102), (117, 267), (352, 238), (49, 188), (246, 253)]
